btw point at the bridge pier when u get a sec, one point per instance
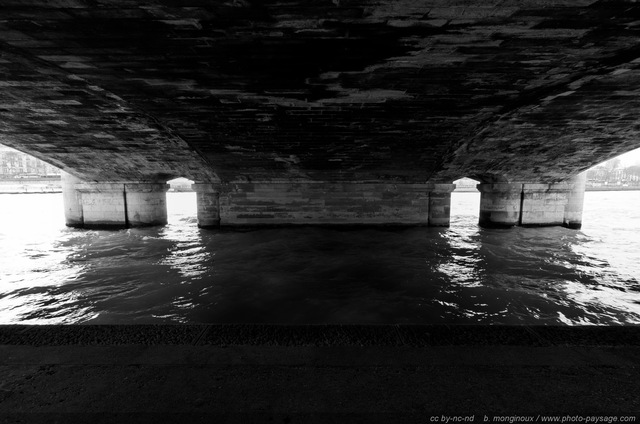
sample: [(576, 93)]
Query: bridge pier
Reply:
[(543, 204), (575, 202), (71, 200), (103, 204), (440, 204), (323, 203), (500, 204), (208, 200), (146, 204), (134, 204), (505, 205), (114, 204)]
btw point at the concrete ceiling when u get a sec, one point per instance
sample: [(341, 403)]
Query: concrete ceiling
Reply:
[(337, 90)]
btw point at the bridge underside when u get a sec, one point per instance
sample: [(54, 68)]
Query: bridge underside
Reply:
[(323, 112)]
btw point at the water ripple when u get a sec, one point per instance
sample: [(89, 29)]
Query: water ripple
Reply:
[(179, 273)]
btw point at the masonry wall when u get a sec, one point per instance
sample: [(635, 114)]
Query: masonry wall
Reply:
[(543, 204), (323, 203), (146, 204), (532, 204), (113, 205), (103, 204), (500, 204)]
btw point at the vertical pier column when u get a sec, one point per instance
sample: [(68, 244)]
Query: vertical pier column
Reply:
[(440, 205), (543, 204), (533, 204), (103, 205), (146, 204), (315, 203), (500, 204), (575, 202), (71, 200), (208, 199), (114, 205)]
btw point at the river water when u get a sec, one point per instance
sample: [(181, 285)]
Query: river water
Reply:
[(181, 274)]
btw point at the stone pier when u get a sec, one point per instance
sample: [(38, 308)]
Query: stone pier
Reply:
[(338, 203), (103, 204), (543, 204), (575, 202), (440, 204), (146, 204), (505, 205), (500, 204), (208, 199), (129, 204), (328, 203), (71, 199), (114, 204)]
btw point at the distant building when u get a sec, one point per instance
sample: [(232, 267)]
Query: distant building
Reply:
[(466, 184), (608, 176), (180, 184), (15, 164)]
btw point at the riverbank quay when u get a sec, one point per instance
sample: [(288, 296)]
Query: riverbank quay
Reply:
[(30, 185), (318, 374)]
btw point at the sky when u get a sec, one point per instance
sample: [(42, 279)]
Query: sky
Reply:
[(631, 158)]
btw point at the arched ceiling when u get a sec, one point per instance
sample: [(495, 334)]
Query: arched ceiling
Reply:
[(396, 90)]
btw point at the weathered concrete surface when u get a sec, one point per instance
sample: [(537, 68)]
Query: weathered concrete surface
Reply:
[(358, 90), (314, 374)]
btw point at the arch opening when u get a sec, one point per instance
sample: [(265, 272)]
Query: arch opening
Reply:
[(181, 202), (465, 202)]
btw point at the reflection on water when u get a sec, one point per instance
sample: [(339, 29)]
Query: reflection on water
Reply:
[(179, 273)]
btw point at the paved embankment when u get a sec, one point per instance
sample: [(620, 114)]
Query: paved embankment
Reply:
[(307, 374)]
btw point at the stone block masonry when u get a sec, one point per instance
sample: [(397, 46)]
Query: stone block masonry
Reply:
[(103, 205), (322, 203), (440, 205), (575, 202), (532, 204), (73, 212), (146, 204), (500, 204), (131, 204), (118, 205), (208, 199), (113, 204), (543, 204)]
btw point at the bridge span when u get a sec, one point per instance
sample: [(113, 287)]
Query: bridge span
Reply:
[(323, 112)]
